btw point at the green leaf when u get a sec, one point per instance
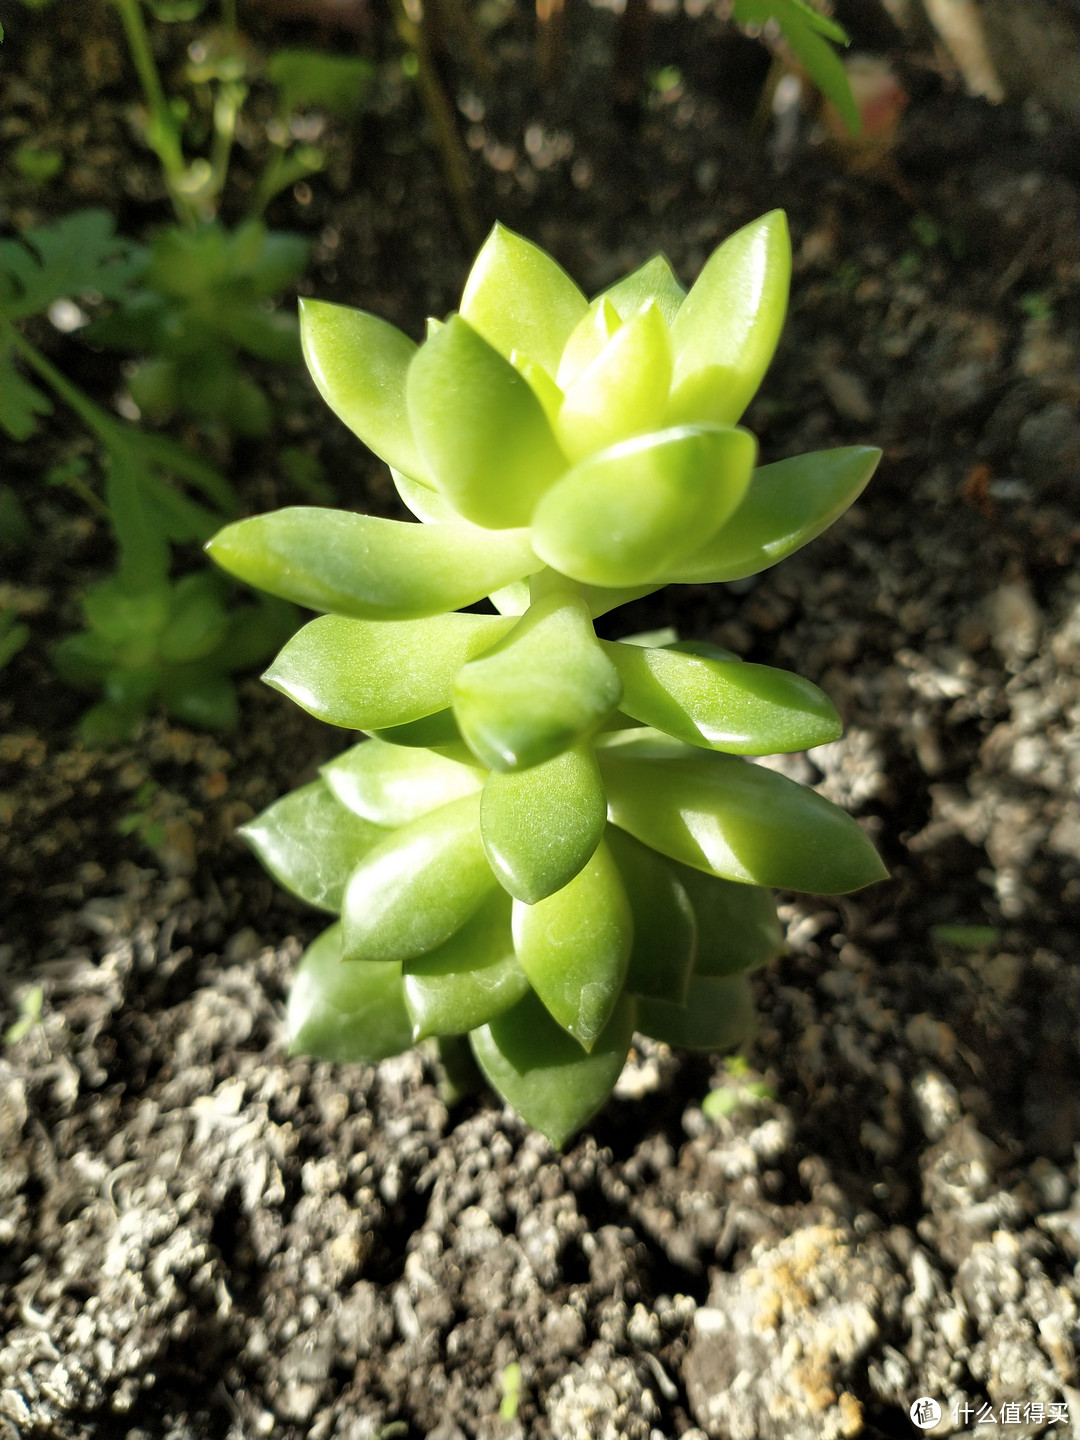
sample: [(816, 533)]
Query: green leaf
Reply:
[(625, 516), (482, 432), (371, 674), (390, 785), (803, 27), (723, 704), (655, 280), (541, 689), (470, 979), (737, 925), (337, 83), (740, 821), (718, 1014), (417, 887), (541, 825), (665, 925), (623, 391), (426, 504), (196, 696), (575, 945), (518, 298), (311, 844), (727, 327), (20, 401), (346, 1013), (437, 731), (543, 1072), (359, 364), (589, 336), (787, 505), (370, 568), (70, 257)]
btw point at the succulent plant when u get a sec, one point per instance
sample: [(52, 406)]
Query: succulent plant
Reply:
[(549, 841)]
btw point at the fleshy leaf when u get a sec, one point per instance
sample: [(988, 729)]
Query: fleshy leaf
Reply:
[(655, 280), (740, 821), (417, 887), (592, 332), (424, 502), (470, 979), (718, 1015), (518, 298), (346, 1013), (359, 364), (727, 327), (367, 567), (543, 1072), (723, 704), (481, 429), (574, 947), (541, 689), (541, 825), (787, 504), (623, 392), (665, 925), (391, 785), (738, 928), (626, 515), (311, 844), (370, 674), (437, 731)]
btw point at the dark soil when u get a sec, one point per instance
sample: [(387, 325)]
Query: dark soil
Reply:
[(201, 1238)]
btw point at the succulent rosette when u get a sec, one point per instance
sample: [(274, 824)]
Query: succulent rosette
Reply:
[(549, 840)]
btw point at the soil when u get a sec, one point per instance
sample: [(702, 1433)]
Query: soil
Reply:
[(201, 1238)]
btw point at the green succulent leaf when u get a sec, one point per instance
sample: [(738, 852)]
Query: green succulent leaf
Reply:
[(596, 327), (728, 326), (655, 280), (787, 504), (311, 843), (437, 731), (359, 364), (737, 925), (543, 1072), (575, 945), (541, 825), (740, 821), (346, 1013), (623, 391), (424, 502), (482, 431), (665, 925), (626, 515), (370, 568), (541, 689), (518, 298), (391, 785), (718, 1015), (371, 674), (723, 704), (470, 979), (418, 886)]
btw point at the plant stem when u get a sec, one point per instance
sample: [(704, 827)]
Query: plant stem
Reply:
[(93, 417), (162, 133)]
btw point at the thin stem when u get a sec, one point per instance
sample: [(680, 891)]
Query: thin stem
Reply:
[(93, 417), (161, 132)]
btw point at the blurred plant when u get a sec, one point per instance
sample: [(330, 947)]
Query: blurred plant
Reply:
[(807, 34), (29, 1015), (203, 302), (510, 1383), (740, 1089), (549, 839), (222, 67), (147, 640)]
